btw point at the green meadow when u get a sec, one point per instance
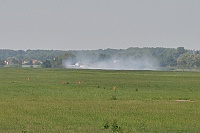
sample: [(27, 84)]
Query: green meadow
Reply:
[(100, 101)]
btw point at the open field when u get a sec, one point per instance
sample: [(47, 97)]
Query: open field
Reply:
[(63, 100)]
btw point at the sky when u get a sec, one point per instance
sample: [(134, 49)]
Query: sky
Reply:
[(99, 24)]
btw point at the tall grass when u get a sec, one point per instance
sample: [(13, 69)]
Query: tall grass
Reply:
[(36, 100)]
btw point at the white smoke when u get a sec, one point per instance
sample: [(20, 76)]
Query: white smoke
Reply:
[(113, 63)]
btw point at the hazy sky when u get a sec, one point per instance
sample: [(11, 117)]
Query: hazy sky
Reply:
[(99, 24)]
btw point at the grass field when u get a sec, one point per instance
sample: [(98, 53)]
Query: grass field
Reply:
[(78, 101)]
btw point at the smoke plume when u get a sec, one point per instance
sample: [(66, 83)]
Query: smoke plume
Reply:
[(111, 63)]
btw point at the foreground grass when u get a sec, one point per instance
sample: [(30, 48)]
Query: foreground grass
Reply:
[(62, 100)]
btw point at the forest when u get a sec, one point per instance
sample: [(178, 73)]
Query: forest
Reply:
[(132, 58)]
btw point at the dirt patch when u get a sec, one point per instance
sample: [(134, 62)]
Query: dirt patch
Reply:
[(184, 101)]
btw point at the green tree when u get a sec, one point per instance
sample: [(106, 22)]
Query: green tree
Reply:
[(180, 51), (46, 64), (197, 60), (186, 60), (65, 59), (171, 61), (103, 57), (1, 63)]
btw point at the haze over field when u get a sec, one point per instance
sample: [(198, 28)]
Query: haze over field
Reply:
[(99, 24), (114, 63)]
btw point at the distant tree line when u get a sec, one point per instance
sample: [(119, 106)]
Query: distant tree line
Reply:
[(166, 57)]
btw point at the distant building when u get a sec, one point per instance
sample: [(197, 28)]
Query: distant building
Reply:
[(34, 61)]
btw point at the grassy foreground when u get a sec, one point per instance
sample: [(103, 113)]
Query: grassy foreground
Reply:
[(74, 101)]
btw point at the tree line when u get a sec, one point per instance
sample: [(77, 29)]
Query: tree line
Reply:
[(165, 57)]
